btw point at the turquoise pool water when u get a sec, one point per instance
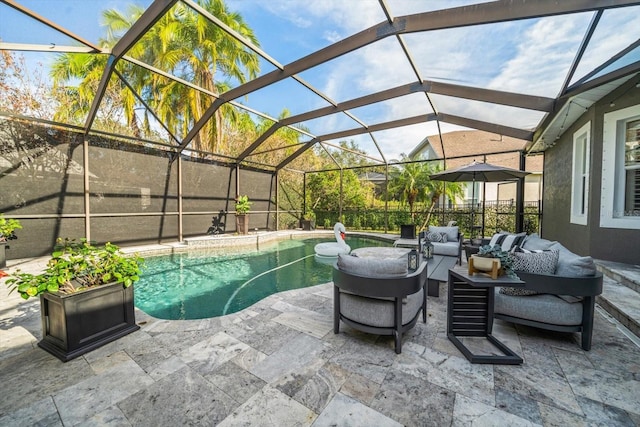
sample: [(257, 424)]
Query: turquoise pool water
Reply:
[(203, 284)]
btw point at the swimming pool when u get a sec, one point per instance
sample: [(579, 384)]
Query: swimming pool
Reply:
[(202, 284)]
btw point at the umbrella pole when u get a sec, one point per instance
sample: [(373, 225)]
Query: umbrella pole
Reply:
[(473, 198)]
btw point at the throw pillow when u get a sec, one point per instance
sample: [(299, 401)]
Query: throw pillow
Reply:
[(511, 240), (497, 239), (516, 292), (534, 242), (434, 236), (525, 251), (537, 262), (452, 232)]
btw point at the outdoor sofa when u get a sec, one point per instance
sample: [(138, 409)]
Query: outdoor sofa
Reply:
[(560, 290)]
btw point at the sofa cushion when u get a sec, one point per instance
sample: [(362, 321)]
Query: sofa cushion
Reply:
[(373, 267), (535, 262), (452, 232), (378, 311), (534, 242), (541, 308), (447, 249), (572, 265)]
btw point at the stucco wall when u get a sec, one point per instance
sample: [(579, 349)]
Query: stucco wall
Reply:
[(621, 245)]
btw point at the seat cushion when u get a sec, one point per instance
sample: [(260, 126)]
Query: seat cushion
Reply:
[(373, 267), (378, 312), (447, 249), (540, 308)]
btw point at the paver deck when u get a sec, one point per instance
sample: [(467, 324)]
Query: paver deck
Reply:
[(278, 363)]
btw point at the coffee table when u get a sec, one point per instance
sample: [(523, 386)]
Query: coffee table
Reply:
[(470, 314), (438, 271)]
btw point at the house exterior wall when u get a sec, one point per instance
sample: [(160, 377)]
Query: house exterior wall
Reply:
[(613, 244)]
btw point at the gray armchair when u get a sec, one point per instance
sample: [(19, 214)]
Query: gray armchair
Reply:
[(378, 296)]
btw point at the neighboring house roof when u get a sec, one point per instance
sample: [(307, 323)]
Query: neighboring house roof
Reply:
[(374, 177), (463, 147)]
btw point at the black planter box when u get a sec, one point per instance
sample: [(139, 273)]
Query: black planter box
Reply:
[(307, 224), (74, 324), (3, 254)]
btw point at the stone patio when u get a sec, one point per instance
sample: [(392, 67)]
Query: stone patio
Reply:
[(278, 363)]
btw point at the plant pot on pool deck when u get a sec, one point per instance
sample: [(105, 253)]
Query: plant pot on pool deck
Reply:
[(243, 206), (242, 224), (308, 224), (86, 297), (3, 254), (74, 324)]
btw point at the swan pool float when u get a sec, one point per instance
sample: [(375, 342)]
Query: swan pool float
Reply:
[(333, 249)]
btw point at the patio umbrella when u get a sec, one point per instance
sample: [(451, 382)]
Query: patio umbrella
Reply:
[(481, 172)]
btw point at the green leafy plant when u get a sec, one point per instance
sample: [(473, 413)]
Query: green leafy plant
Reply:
[(309, 216), (506, 262), (243, 205), (75, 266), (8, 227)]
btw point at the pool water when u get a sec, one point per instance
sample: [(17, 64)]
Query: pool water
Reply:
[(202, 284)]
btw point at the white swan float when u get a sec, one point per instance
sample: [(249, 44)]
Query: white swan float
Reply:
[(331, 249)]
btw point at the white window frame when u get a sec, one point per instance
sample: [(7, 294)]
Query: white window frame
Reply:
[(580, 175), (612, 196)]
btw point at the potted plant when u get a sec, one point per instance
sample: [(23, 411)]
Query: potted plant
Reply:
[(86, 296), (7, 232), (492, 259), (243, 206), (308, 221)]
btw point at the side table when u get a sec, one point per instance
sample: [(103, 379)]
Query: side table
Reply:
[(470, 314)]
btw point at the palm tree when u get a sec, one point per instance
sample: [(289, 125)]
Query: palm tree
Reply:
[(409, 182), (436, 189), (412, 183), (183, 43)]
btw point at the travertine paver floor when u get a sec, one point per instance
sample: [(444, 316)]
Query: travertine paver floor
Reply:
[(278, 363)]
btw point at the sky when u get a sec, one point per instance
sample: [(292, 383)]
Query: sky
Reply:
[(529, 56)]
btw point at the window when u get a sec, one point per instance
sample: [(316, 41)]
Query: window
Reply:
[(580, 175), (621, 169)]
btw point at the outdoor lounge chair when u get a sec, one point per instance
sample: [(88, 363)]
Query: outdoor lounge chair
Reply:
[(378, 296)]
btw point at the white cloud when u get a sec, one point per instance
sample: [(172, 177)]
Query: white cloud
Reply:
[(529, 56)]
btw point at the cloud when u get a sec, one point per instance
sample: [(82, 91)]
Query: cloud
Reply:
[(528, 56)]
